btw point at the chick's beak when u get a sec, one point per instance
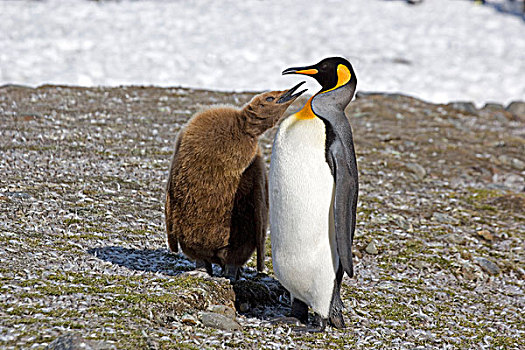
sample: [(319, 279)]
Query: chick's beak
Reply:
[(289, 94)]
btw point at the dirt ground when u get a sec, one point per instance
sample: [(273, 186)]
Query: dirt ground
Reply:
[(439, 241)]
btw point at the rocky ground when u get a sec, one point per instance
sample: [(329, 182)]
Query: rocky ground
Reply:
[(439, 241)]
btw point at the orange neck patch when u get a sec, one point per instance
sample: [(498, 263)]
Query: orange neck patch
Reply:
[(343, 77), (306, 112)]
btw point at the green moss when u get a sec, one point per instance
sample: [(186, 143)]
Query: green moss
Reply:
[(478, 198), (71, 221)]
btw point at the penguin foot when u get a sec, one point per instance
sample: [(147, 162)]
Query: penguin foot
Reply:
[(318, 325), (320, 322), (311, 328), (204, 266)]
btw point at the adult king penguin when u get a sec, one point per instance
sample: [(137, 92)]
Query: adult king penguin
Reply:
[(313, 189)]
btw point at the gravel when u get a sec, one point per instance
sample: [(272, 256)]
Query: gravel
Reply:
[(83, 245)]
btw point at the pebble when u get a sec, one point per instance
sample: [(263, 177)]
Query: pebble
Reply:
[(444, 218), (223, 310), (486, 235), (504, 159), (517, 164), (468, 272), (371, 248), (488, 266), (417, 170), (402, 222), (513, 162), (419, 264), (214, 320), (188, 319), (517, 108), (453, 238)]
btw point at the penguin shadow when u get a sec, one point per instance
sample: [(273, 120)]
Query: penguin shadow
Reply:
[(256, 294), (147, 260)]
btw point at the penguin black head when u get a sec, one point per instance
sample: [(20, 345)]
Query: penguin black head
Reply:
[(331, 73)]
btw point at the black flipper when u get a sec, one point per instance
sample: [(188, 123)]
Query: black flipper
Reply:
[(345, 201), (340, 156)]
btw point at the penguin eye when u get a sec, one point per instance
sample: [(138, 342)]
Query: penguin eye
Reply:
[(270, 99)]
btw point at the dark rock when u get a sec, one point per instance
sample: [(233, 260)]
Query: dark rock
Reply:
[(214, 320), (467, 107), (244, 307), (76, 342), (253, 293), (258, 293), (488, 266)]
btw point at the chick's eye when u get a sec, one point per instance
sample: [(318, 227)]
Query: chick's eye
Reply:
[(270, 99)]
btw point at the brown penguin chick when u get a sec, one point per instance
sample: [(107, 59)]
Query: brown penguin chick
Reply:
[(217, 191)]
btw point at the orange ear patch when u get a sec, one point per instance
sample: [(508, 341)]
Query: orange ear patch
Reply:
[(343, 76)]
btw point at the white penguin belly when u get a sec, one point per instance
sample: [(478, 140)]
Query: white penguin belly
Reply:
[(301, 189)]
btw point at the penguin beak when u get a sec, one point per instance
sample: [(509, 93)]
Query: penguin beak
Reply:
[(289, 96), (301, 70)]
